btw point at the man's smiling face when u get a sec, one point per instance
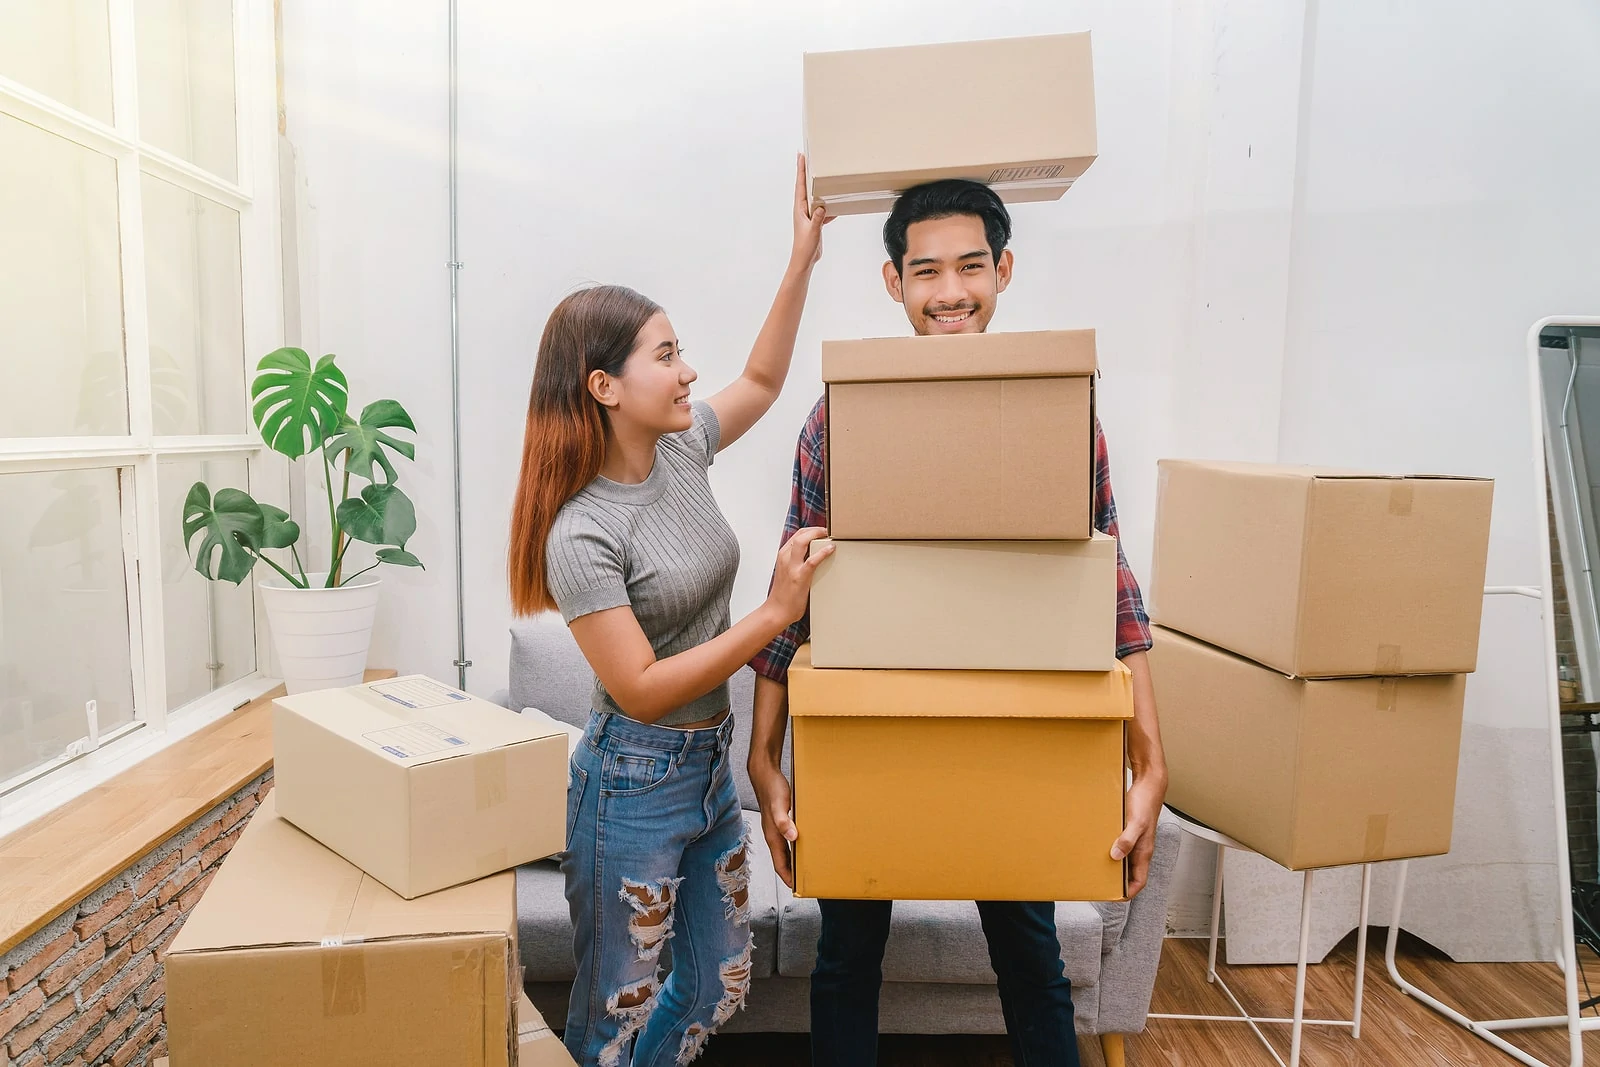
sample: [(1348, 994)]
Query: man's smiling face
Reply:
[(949, 280)]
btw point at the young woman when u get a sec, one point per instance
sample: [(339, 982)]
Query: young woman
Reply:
[(615, 525)]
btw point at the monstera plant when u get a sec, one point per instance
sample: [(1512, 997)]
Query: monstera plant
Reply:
[(301, 410), (321, 620)]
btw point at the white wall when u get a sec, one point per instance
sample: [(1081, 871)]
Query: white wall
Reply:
[(1328, 261)]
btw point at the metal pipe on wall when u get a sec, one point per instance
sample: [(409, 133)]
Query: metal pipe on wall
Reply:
[(461, 660)]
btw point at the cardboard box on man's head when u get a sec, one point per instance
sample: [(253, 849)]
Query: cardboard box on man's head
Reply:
[(419, 784), (1015, 113)]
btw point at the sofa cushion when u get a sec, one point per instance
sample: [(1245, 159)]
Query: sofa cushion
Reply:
[(936, 941), (548, 672), (544, 925)]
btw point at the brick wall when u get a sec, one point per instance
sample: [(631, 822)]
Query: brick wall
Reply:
[(88, 988)]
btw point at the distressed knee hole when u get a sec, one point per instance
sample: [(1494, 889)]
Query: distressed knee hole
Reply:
[(651, 924)]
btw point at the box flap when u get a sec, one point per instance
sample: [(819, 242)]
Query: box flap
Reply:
[(958, 694), (415, 720), (1039, 354), (280, 887), (1306, 471)]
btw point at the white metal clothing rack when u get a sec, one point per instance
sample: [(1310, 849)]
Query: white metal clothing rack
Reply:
[(1297, 1021), (1574, 1022)]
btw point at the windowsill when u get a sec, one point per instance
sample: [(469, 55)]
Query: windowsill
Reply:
[(67, 846)]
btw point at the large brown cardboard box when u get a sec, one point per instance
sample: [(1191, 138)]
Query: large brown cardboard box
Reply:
[(1012, 414), (966, 605), (864, 148), (295, 958), (1323, 573), (1308, 773), (420, 785), (958, 785), (536, 1045)]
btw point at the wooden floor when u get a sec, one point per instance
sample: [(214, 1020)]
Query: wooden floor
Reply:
[(1397, 1031)]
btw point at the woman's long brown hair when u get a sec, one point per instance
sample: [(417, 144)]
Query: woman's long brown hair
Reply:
[(565, 440)]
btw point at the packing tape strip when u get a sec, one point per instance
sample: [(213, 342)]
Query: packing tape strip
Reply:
[(1389, 659), (1388, 692), (344, 977), (343, 956), (1400, 494), (489, 779), (1377, 837)]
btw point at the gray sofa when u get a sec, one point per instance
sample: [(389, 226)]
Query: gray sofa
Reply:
[(937, 978)]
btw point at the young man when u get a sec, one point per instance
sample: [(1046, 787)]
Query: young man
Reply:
[(948, 264)]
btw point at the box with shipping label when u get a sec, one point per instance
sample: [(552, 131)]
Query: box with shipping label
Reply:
[(420, 785), (1309, 773), (1323, 573), (958, 785), (295, 958), (863, 151), (966, 605), (1014, 418)]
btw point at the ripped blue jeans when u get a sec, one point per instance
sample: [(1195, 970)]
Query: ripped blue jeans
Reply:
[(656, 852)]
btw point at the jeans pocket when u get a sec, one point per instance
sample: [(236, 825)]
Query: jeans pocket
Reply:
[(577, 781), (630, 774)]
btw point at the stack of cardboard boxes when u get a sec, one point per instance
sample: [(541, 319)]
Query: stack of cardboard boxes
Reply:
[(959, 716), (1315, 627), (367, 914)]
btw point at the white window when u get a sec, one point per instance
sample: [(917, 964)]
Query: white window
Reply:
[(140, 281)]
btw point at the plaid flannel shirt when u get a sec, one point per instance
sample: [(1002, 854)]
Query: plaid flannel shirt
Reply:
[(808, 506)]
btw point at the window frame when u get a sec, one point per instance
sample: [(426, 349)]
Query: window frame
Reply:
[(139, 452)]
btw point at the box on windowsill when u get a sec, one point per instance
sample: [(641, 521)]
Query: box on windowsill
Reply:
[(419, 784)]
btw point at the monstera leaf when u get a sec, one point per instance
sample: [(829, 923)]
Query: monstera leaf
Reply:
[(277, 529), (399, 557), (298, 407), (363, 440), (382, 515), (230, 522)]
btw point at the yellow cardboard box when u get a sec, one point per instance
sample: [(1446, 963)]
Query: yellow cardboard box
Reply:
[(958, 785)]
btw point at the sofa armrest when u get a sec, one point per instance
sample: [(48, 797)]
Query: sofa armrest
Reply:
[(1128, 972)]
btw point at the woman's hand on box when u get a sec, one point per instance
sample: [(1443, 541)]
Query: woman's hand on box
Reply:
[(791, 576)]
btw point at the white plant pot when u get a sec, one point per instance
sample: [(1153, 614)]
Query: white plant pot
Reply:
[(321, 635)]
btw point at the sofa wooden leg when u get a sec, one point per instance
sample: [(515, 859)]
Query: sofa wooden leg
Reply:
[(1111, 1045)]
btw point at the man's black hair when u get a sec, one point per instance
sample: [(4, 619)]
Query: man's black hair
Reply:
[(941, 200)]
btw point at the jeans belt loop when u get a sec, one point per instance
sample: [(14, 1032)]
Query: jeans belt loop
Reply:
[(683, 749)]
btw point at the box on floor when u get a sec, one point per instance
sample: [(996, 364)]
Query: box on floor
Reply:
[(1323, 573), (966, 605), (863, 152), (1309, 773), (1013, 417), (958, 785), (536, 1045), (295, 958), (420, 785)]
